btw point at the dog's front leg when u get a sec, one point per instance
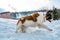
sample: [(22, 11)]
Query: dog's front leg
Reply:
[(23, 28), (47, 28), (44, 26)]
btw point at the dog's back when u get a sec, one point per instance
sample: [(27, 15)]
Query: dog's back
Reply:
[(28, 18)]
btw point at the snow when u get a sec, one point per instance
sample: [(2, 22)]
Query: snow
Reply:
[(8, 27)]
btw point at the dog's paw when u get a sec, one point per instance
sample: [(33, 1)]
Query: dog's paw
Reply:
[(23, 31), (16, 32), (50, 30)]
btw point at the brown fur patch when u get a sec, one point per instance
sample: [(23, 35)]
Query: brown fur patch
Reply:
[(31, 17)]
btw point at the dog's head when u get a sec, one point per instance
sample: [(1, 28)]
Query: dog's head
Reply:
[(49, 16)]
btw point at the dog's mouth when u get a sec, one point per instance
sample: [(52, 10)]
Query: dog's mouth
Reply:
[(49, 20)]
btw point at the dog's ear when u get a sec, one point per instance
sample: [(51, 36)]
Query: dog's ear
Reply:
[(36, 14)]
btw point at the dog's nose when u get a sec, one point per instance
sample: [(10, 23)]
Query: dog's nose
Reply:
[(49, 21)]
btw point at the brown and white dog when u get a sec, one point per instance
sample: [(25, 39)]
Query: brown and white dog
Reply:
[(31, 21)]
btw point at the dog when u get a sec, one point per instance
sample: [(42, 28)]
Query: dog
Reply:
[(30, 21)]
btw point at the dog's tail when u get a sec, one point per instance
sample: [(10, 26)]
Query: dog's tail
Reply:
[(18, 21)]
